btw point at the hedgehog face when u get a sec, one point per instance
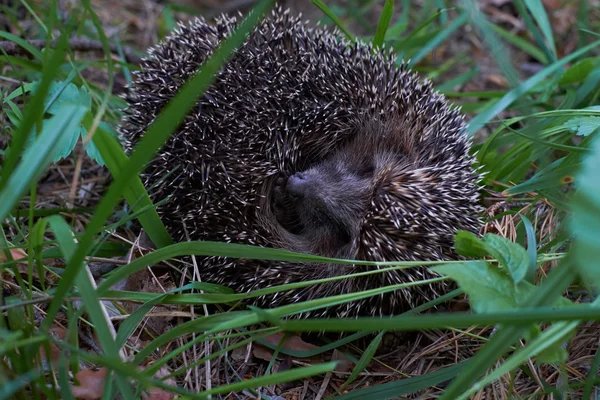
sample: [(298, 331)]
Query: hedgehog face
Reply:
[(326, 207), (324, 204)]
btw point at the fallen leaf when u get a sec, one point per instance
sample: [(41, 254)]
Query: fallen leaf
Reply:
[(498, 80), (91, 384), (344, 363), (294, 342), (15, 254), (158, 393), (262, 352), (59, 333)]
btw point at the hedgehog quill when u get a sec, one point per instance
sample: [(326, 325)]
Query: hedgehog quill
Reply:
[(309, 143)]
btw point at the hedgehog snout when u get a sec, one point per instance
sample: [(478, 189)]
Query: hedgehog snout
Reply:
[(299, 185)]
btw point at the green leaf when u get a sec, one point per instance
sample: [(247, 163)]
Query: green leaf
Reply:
[(31, 115), (469, 244), (23, 43), (547, 293), (90, 148), (520, 43), (531, 249), (91, 301), (488, 288), (510, 255), (135, 194), (21, 90), (583, 126), (439, 38), (40, 155), (62, 95), (64, 92), (579, 71)]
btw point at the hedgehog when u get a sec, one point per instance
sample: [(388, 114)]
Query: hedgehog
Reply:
[(310, 143)]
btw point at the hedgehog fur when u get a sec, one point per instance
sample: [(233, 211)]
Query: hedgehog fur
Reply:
[(309, 143)]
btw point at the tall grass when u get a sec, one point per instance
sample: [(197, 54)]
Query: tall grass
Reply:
[(543, 137)]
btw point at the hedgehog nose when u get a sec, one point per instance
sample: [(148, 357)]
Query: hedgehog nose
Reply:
[(298, 185)]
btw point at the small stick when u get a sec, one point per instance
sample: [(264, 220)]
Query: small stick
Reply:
[(77, 44)]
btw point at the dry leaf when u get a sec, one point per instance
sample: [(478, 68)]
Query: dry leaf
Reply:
[(498, 80), (344, 363), (158, 393), (294, 343), (91, 384), (15, 253), (262, 352), (60, 333)]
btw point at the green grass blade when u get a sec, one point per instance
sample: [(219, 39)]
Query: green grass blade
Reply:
[(365, 359), (33, 112), (405, 386), (91, 301), (286, 376), (511, 96), (39, 156), (23, 43), (327, 11), (157, 134), (496, 47), (521, 44), (384, 22), (439, 38), (136, 194), (557, 281), (539, 14)]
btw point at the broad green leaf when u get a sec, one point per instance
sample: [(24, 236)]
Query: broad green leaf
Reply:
[(90, 148), (510, 255), (579, 71), (40, 155), (488, 288), (583, 126), (61, 95), (469, 244), (546, 294), (64, 92)]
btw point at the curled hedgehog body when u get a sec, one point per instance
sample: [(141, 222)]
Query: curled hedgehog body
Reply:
[(309, 143)]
